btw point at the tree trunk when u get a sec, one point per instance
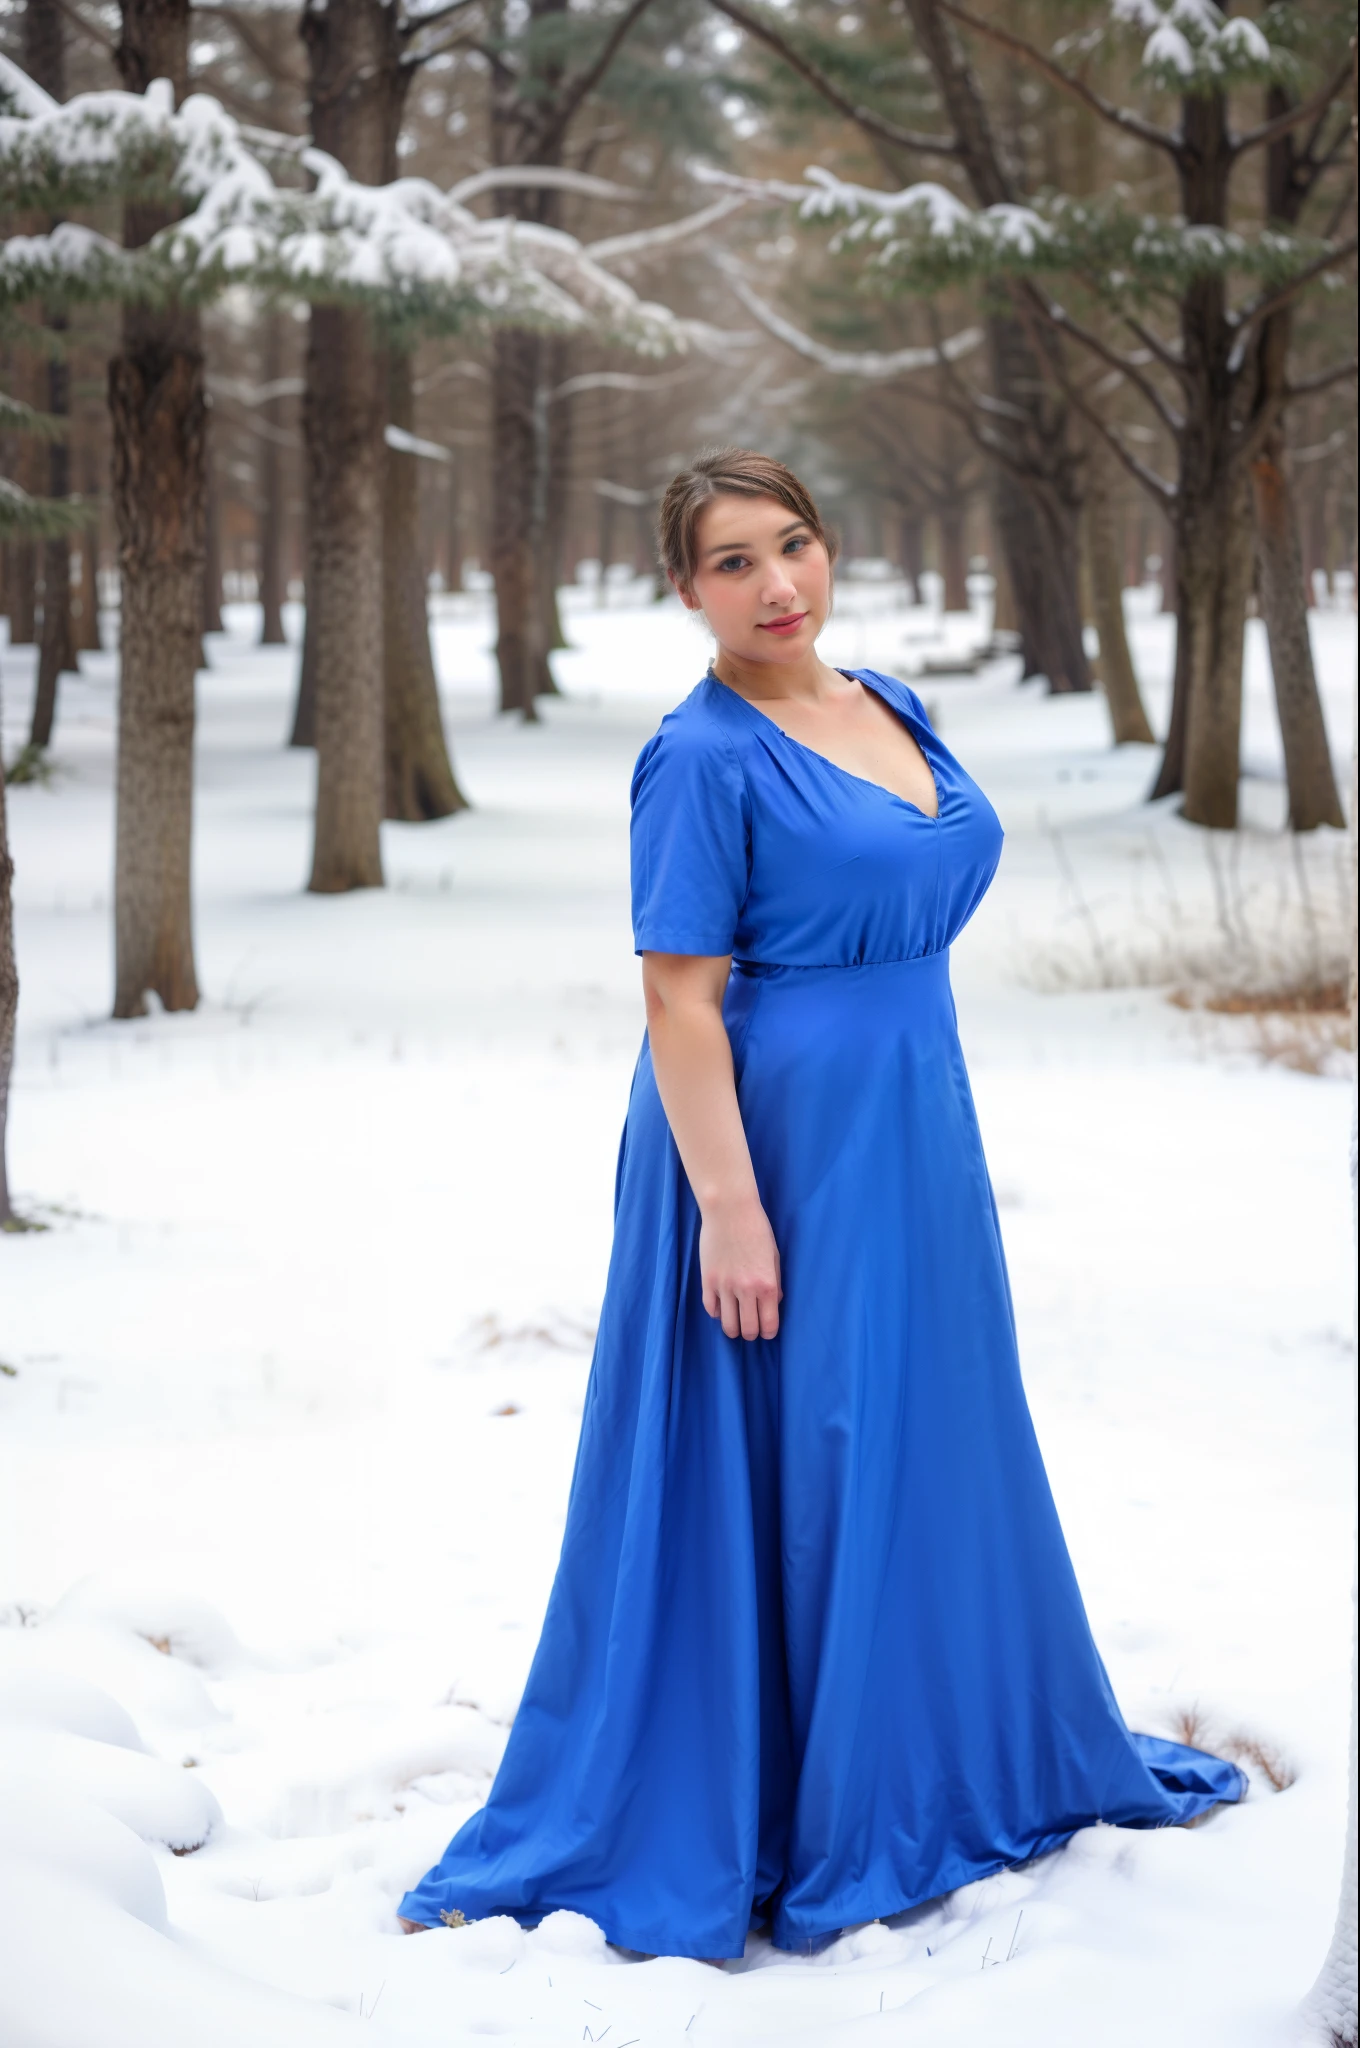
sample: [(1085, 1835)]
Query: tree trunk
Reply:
[(303, 733), (1214, 569), (355, 87), (85, 613), (911, 552), (954, 558), (9, 1002), (514, 389), (343, 423), (555, 463), (45, 62), (212, 551), (419, 778), (23, 591), (453, 527), (1313, 796), (158, 411), (57, 651), (1117, 675), (269, 484)]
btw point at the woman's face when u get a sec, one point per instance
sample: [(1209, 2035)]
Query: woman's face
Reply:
[(762, 579)]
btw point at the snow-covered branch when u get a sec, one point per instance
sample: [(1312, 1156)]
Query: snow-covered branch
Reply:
[(644, 240), (927, 237), (417, 255), (1192, 46), (869, 363)]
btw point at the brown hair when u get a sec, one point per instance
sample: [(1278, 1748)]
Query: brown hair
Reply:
[(734, 473)]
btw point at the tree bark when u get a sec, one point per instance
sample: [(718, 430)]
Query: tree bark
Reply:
[(355, 86), (85, 621), (9, 1003), (419, 779), (158, 411), (343, 425), (1211, 514), (1313, 795), (555, 456), (212, 547), (45, 62), (453, 527), (269, 484), (515, 533), (1214, 571), (1117, 675), (303, 733), (954, 558)]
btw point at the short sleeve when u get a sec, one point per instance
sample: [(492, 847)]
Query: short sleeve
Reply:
[(691, 835)]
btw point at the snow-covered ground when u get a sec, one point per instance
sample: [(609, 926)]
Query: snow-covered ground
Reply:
[(298, 1364)]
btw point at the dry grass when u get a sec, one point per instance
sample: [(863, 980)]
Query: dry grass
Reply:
[(1197, 1730), (1250, 927)]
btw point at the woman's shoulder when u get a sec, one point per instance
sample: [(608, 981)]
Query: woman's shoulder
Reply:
[(697, 737), (895, 687)]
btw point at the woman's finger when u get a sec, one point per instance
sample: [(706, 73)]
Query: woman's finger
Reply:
[(750, 1316), (769, 1315), (731, 1315)]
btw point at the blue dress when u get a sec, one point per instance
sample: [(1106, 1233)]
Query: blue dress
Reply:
[(815, 1651)]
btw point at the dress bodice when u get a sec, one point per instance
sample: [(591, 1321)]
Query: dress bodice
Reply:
[(747, 842)]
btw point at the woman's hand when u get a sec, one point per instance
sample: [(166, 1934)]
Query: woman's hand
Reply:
[(692, 1059), (739, 1266)]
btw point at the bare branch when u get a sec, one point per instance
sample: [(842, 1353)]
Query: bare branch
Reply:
[(442, 46), (1059, 318), (1119, 117), (1255, 138), (1169, 358), (1306, 386), (620, 380), (1251, 316), (873, 124), (575, 90)]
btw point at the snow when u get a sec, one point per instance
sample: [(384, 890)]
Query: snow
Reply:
[(301, 1354)]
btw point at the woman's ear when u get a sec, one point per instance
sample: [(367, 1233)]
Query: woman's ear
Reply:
[(685, 595)]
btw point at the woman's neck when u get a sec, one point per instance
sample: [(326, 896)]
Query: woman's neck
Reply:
[(808, 679)]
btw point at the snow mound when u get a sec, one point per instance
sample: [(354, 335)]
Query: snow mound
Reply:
[(78, 1841), (874, 1939), (52, 1699), (158, 1802), (492, 1944), (150, 1686), (177, 1624), (569, 1934)]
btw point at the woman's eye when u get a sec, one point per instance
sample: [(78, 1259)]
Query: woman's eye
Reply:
[(733, 562), (797, 544)]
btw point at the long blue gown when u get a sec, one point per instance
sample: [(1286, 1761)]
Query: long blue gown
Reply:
[(815, 1651)]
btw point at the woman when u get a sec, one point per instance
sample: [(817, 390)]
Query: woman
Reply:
[(815, 1651)]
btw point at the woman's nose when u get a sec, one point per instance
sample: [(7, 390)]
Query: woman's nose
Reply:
[(778, 587)]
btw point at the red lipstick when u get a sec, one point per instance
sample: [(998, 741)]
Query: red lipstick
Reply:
[(788, 624)]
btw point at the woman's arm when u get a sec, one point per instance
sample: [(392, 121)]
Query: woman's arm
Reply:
[(692, 1059)]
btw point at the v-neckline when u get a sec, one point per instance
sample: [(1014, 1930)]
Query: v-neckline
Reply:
[(864, 781)]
